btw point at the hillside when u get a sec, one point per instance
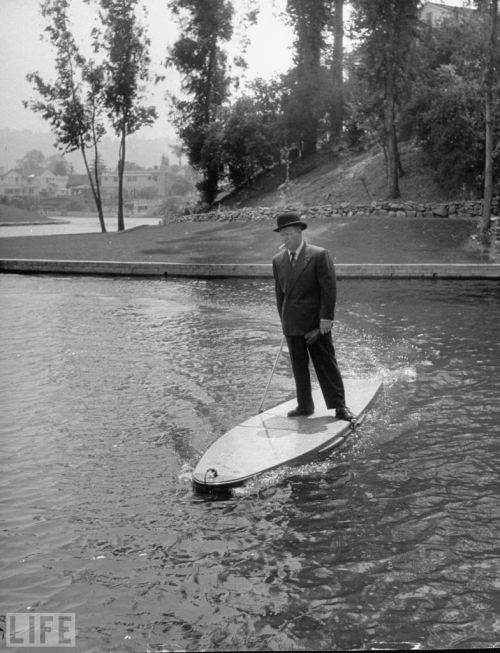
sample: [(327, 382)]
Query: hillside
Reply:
[(347, 177)]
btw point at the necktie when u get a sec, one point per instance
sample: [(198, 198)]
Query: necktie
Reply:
[(292, 259)]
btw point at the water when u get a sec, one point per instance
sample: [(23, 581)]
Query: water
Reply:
[(110, 391), (71, 225)]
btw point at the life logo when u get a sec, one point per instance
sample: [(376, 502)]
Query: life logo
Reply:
[(40, 629)]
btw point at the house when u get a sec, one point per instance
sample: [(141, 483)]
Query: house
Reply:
[(434, 12), (149, 184), (47, 183), (15, 183), (78, 185), (12, 183), (136, 183)]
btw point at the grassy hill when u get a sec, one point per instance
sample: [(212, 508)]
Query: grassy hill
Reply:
[(13, 215), (357, 178)]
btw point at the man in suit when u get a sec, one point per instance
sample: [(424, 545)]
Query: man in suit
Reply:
[(305, 294)]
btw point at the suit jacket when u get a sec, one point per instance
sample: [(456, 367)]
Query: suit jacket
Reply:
[(306, 293)]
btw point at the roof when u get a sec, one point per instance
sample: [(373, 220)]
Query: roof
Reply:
[(78, 180), (16, 170), (445, 9), (443, 6)]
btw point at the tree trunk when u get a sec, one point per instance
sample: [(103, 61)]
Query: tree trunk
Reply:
[(121, 169), (391, 144), (484, 229), (337, 108), (485, 224), (212, 183), (98, 198), (96, 191), (309, 137)]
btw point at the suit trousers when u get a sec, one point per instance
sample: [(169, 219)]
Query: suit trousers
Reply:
[(322, 354)]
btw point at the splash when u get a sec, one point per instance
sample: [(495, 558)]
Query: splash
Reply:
[(186, 474)]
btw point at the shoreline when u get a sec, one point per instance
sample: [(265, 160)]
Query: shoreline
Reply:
[(223, 271), (34, 223), (362, 247)]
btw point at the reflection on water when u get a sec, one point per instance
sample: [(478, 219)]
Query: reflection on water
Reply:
[(71, 225), (112, 388)]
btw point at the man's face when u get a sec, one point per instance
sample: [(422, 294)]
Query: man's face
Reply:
[(291, 237)]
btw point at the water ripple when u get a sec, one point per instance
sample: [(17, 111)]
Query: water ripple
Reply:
[(112, 388)]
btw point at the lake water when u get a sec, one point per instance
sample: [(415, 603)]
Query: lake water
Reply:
[(110, 391), (71, 225)]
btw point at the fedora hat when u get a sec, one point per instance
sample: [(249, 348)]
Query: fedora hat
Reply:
[(290, 219)]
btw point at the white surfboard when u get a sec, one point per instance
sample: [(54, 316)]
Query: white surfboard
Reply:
[(272, 439)]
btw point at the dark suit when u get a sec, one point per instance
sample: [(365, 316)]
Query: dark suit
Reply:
[(305, 294)]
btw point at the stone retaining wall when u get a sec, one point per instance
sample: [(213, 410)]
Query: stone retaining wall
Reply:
[(468, 209)]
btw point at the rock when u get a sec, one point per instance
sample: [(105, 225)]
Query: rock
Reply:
[(441, 210)]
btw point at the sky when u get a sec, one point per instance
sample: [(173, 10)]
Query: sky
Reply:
[(22, 51)]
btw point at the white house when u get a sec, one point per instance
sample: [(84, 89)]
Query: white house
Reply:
[(12, 182), (136, 183), (434, 12), (46, 183)]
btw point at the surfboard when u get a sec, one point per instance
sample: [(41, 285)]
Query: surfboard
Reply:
[(272, 439)]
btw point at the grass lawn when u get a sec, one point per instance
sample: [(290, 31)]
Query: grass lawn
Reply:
[(11, 215), (350, 240)]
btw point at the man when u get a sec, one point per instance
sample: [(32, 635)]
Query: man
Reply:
[(305, 293)]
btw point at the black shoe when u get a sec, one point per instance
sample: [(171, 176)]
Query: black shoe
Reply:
[(298, 412), (344, 413)]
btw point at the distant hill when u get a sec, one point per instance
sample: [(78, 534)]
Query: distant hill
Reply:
[(146, 152)]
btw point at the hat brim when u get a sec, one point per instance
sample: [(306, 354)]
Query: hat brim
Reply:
[(302, 225)]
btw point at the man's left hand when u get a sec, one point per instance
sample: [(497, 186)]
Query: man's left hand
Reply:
[(325, 326)]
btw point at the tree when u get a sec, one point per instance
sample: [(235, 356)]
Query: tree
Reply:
[(337, 104), (125, 46), (130, 166), (448, 103), (32, 163), (491, 13), (202, 63), (178, 152), (251, 140), (58, 165), (447, 115), (307, 101), (387, 30), (72, 103)]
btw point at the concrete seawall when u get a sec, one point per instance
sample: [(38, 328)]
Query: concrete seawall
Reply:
[(264, 270)]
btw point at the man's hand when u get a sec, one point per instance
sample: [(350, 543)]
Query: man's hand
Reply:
[(325, 326), (312, 336)]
